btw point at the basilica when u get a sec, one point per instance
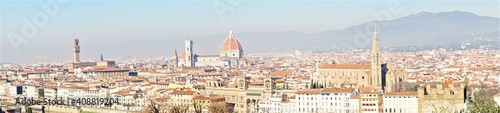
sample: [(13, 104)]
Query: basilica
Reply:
[(231, 55), (382, 76)]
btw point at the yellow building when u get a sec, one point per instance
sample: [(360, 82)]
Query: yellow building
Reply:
[(207, 101)]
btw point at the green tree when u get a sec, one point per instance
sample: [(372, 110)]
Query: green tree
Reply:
[(415, 87), (483, 104), (136, 96), (41, 92), (29, 110)]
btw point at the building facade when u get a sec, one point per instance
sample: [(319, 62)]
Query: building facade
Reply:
[(400, 102)]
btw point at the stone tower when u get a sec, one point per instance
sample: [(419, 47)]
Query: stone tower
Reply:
[(376, 68), (176, 59), (76, 51), (189, 53), (101, 58)]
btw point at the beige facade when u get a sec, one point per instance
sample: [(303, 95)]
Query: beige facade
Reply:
[(450, 98), (369, 102), (207, 101), (245, 96)]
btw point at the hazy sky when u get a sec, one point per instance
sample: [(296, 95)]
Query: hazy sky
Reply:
[(121, 20)]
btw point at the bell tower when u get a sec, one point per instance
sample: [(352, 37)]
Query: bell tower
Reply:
[(176, 59), (189, 53), (76, 51), (376, 67)]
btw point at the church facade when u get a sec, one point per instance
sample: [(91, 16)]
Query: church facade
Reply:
[(231, 55), (375, 74)]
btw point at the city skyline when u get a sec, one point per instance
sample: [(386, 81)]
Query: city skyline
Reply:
[(96, 27)]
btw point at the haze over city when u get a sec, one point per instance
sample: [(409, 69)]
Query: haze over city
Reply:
[(119, 29), (226, 56)]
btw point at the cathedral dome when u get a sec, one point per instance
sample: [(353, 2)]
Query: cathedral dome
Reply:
[(231, 43)]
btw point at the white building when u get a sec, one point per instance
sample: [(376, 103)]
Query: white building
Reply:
[(354, 104), (50, 92), (63, 92), (325, 100), (31, 91), (4, 89), (271, 105), (496, 98), (400, 102), (289, 105), (15, 90)]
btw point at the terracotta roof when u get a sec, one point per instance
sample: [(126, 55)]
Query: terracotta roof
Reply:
[(164, 98), (162, 83), (343, 90), (183, 92), (345, 66), (243, 59), (231, 43), (281, 72), (208, 55), (183, 55), (208, 98), (308, 92), (401, 94)]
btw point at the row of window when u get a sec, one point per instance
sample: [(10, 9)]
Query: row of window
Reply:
[(368, 104), (400, 97), (369, 109)]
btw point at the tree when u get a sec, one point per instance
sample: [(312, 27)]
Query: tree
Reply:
[(152, 107), (41, 92), (178, 109), (443, 110), (415, 87), (219, 107), (197, 107), (136, 96), (483, 104), (154, 104), (29, 110)]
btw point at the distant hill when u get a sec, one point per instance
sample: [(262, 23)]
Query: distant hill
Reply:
[(424, 28)]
